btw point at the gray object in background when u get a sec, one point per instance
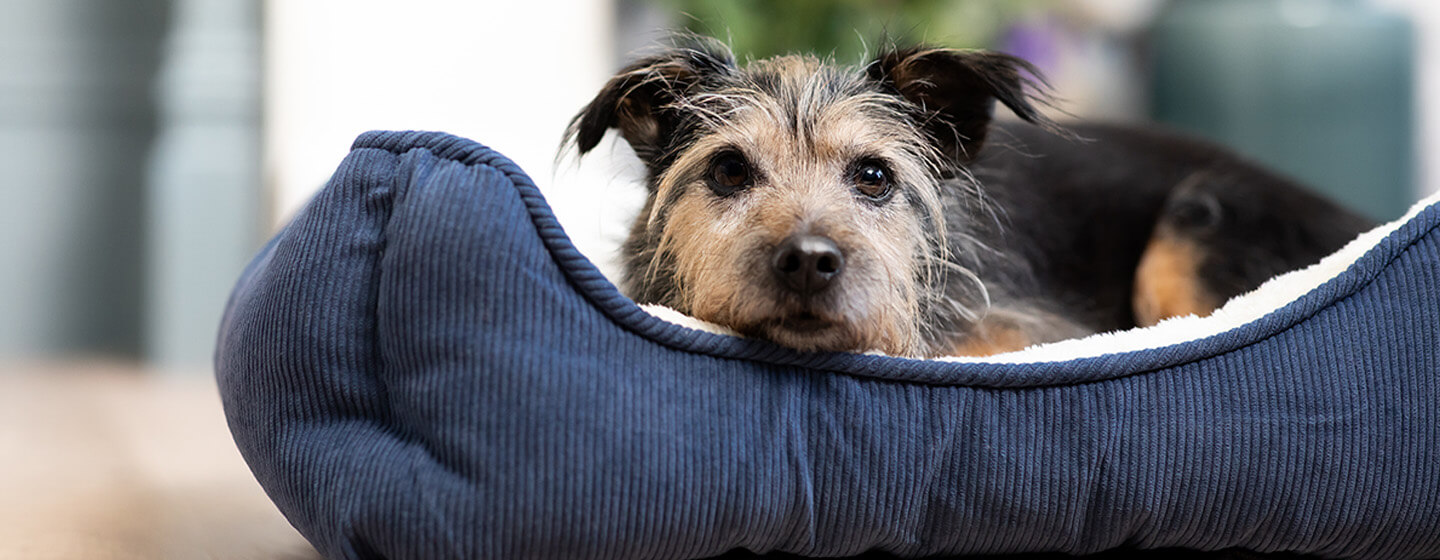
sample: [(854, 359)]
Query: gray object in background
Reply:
[(129, 140), (204, 181), (1320, 90), (76, 124)]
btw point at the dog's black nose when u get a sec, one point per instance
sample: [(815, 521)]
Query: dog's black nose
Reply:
[(806, 264)]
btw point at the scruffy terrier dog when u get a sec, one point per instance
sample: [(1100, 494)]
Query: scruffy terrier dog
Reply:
[(861, 208)]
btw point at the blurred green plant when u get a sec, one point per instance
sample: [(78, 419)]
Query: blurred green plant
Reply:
[(847, 28)]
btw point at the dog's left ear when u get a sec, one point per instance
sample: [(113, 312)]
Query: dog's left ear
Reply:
[(956, 91)]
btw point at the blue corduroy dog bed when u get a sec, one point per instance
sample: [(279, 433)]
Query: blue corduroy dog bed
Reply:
[(421, 365)]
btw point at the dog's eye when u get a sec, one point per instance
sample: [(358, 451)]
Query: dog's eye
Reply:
[(872, 180), (729, 173)]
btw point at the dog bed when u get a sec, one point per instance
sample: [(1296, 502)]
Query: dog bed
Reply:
[(421, 365)]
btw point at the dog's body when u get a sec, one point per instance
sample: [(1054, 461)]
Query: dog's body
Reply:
[(832, 208), (1081, 217)]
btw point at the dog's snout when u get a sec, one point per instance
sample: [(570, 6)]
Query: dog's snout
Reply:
[(806, 264)]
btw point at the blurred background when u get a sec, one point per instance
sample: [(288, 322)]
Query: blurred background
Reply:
[(149, 147)]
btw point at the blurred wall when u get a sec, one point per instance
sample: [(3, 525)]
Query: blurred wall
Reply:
[(1425, 16)]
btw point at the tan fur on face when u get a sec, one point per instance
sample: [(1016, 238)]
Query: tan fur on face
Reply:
[(801, 155)]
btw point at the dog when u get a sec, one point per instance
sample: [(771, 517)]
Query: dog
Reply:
[(882, 207)]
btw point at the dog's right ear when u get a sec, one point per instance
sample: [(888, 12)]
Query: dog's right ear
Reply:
[(641, 100)]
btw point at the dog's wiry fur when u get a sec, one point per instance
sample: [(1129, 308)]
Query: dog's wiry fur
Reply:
[(933, 264)]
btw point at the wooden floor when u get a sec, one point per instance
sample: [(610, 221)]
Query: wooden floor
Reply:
[(108, 462)]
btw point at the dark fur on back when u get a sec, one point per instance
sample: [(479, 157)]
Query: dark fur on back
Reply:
[(1080, 215)]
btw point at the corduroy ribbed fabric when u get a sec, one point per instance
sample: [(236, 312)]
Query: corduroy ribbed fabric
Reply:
[(421, 365)]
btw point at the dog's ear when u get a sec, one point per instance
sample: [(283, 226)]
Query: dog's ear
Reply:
[(641, 100), (956, 91)]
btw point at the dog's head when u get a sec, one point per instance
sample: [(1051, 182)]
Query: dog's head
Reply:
[(804, 202)]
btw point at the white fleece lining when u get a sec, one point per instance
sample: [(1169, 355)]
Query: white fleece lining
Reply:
[(1239, 311)]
